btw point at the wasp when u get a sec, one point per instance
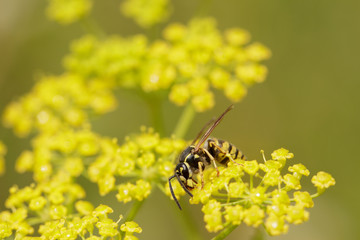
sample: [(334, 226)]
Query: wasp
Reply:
[(201, 153)]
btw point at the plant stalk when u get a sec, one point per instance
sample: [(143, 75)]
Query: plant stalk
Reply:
[(156, 114), (131, 214), (134, 210), (190, 228), (184, 122), (224, 233)]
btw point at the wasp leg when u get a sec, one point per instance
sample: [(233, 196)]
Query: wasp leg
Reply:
[(228, 155), (213, 161), (200, 165)]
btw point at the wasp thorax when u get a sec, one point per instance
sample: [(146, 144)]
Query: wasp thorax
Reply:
[(187, 154)]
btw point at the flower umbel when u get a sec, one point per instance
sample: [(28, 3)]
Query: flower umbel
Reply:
[(58, 158), (268, 199), (189, 63), (58, 102), (50, 203)]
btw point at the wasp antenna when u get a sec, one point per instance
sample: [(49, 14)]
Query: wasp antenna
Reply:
[(172, 192)]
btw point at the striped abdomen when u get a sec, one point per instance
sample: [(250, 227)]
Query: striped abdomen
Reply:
[(221, 150)]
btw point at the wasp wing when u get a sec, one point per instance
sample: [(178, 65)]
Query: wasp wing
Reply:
[(201, 133), (211, 128)]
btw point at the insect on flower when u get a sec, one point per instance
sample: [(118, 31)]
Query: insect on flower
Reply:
[(203, 152)]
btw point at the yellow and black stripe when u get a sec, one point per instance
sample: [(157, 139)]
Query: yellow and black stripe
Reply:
[(221, 150)]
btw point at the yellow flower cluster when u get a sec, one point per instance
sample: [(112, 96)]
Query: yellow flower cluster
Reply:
[(257, 193), (206, 59), (188, 63), (146, 13), (68, 11), (51, 204), (65, 150), (145, 156), (56, 102), (58, 158)]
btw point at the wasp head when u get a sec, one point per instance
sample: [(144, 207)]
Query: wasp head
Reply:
[(182, 174), (182, 171)]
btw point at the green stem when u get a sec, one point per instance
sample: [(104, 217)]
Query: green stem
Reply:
[(242, 201), (251, 181), (35, 221), (315, 195), (131, 214), (184, 122), (224, 233), (156, 114), (134, 210), (189, 226)]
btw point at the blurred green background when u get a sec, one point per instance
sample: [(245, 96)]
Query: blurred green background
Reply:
[(309, 103)]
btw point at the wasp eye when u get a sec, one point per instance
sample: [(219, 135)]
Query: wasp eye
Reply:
[(182, 170)]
